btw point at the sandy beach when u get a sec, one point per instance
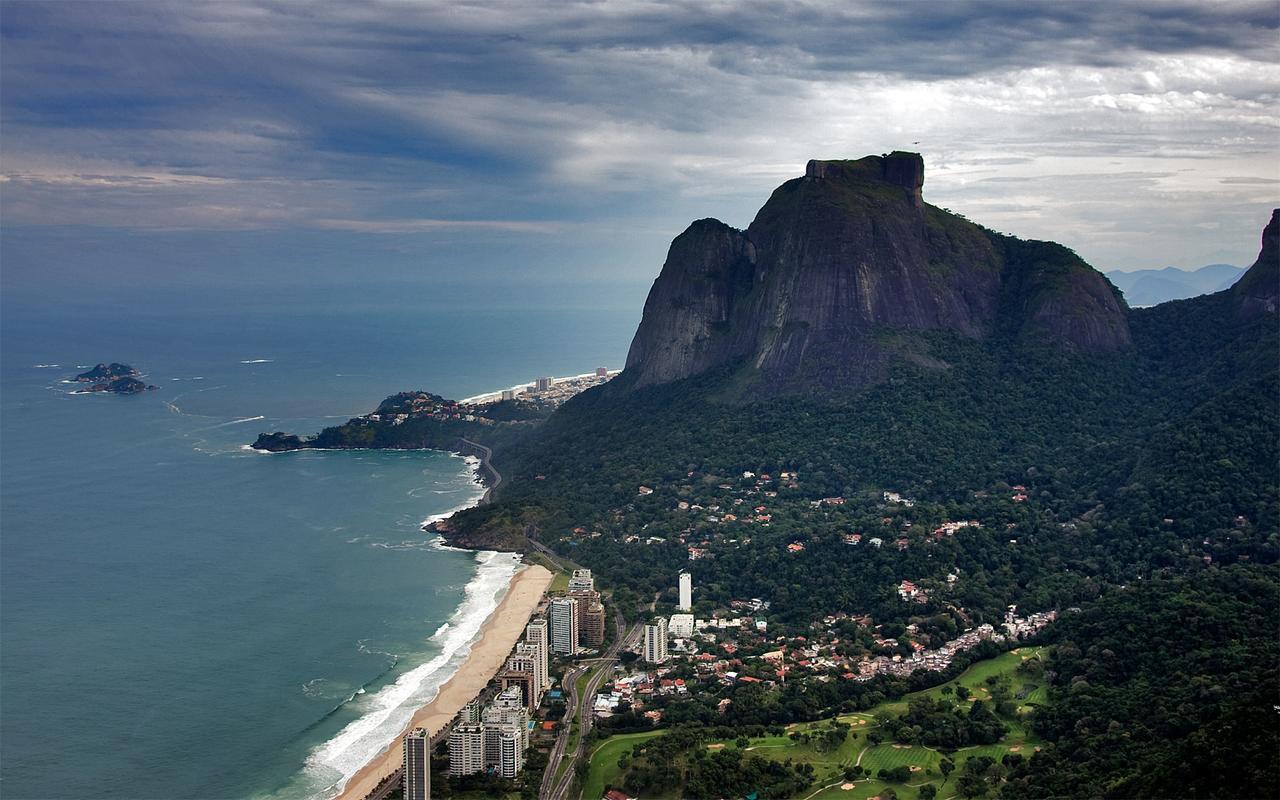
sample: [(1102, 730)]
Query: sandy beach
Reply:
[(498, 636)]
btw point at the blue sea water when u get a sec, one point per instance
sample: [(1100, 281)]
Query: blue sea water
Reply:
[(180, 617)]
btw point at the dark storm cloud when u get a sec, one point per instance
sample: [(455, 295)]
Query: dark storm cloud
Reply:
[(536, 119)]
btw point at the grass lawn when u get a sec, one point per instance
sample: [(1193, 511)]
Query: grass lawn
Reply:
[(580, 685), (829, 765), (604, 761), (559, 582)]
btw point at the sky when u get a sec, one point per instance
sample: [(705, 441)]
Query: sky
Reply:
[(557, 148)]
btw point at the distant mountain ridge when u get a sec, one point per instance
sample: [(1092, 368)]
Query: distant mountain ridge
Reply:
[(1149, 287), (838, 273)]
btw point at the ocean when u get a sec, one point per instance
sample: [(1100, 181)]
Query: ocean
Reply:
[(181, 617)]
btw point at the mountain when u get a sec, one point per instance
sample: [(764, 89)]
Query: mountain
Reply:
[(1002, 441), (826, 287), (1149, 287), (1257, 289)]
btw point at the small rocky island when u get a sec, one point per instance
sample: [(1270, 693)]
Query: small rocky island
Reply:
[(115, 378)]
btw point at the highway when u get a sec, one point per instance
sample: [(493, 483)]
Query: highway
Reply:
[(580, 708)]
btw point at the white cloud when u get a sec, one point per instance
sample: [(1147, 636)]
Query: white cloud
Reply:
[(1109, 128)]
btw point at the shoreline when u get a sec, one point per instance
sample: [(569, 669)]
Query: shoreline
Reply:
[(497, 637), (494, 396)]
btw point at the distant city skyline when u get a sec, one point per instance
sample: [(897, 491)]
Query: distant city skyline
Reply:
[(204, 146)]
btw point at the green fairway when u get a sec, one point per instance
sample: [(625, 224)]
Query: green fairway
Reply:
[(830, 762), (889, 756), (604, 762)]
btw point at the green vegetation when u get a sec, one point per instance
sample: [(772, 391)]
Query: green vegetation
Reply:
[(1152, 469), (559, 583), (1165, 689), (607, 759), (856, 748), (1133, 463)]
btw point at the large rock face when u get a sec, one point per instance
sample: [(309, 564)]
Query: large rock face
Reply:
[(1258, 290), (837, 265)]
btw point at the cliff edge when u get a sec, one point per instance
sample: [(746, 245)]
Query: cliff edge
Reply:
[(837, 265)]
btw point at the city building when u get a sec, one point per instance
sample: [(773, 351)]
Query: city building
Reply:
[(686, 592), (417, 765), (536, 634), (466, 749), (655, 641), (564, 625), (543, 384), (591, 627), (506, 733), (509, 708), (519, 675), (510, 753), (470, 712), (581, 581), (681, 626), (602, 372), (508, 394), (537, 661)]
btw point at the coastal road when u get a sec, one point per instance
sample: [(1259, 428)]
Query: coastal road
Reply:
[(531, 533), (580, 707), (486, 463)]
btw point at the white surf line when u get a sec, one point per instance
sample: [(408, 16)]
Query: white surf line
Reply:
[(238, 421)]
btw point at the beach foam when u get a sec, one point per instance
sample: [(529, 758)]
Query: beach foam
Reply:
[(392, 706), (477, 492)]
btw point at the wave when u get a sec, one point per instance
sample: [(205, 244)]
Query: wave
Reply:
[(460, 507), (46, 366), (391, 707), (439, 543), (257, 361), (477, 491), (238, 421)]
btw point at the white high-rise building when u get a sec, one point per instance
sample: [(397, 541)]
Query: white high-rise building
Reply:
[(529, 656), (470, 712), (466, 749), (686, 592), (508, 708), (417, 765), (535, 633), (510, 753), (655, 641), (564, 626), (581, 581)]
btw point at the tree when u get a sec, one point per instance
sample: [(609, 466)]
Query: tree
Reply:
[(946, 767), (971, 785), (927, 792)]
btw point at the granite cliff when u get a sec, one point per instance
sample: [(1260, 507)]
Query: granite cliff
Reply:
[(826, 286), (1258, 290)]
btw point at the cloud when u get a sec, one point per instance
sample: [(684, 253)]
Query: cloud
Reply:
[(433, 225), (1100, 120)]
